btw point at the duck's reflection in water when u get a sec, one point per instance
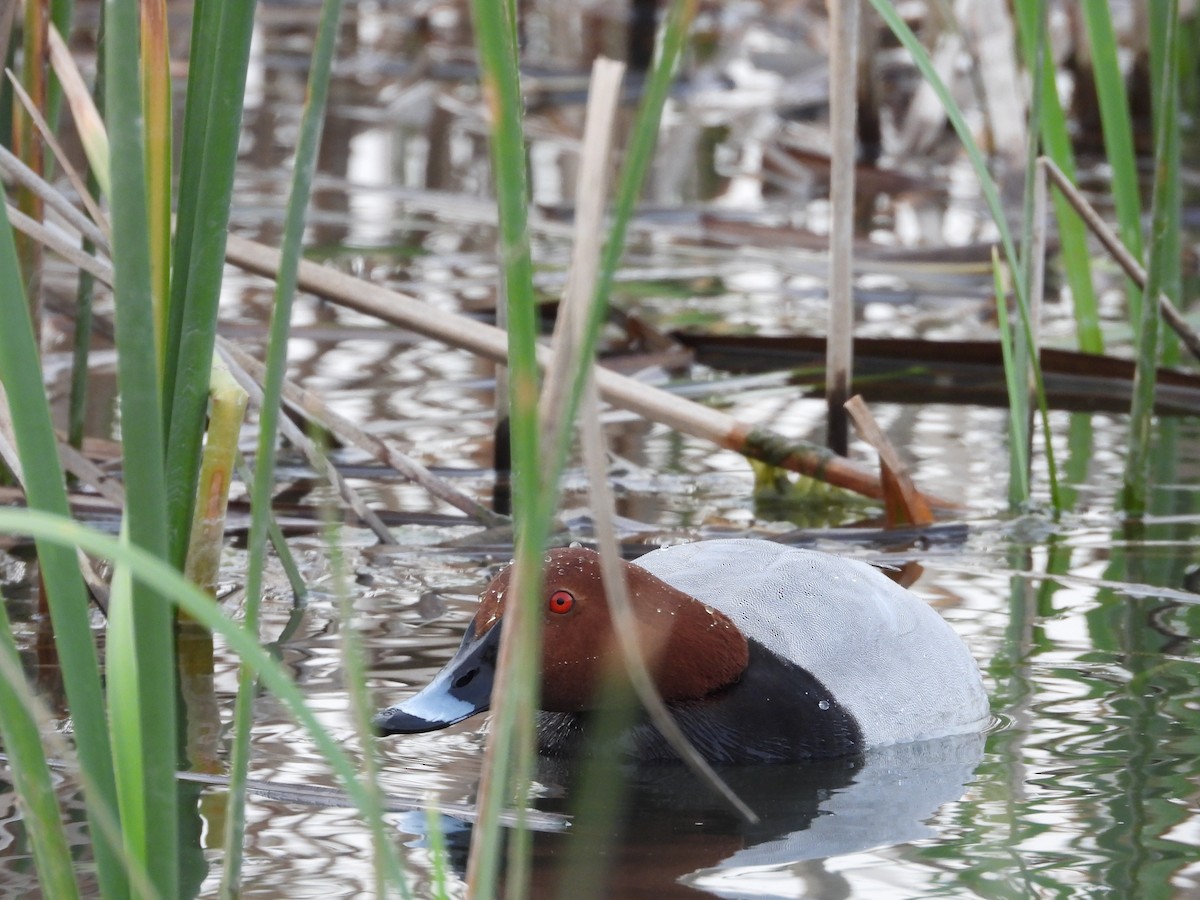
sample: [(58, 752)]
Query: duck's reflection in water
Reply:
[(664, 834)]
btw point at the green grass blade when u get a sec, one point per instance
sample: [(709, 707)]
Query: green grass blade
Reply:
[(991, 197), (30, 773), (212, 128), (21, 374), (264, 475), (509, 759), (142, 439), (1118, 137), (1056, 141), (156, 101), (1164, 242), (165, 582), (638, 156), (125, 721), (1018, 413), (1165, 32)]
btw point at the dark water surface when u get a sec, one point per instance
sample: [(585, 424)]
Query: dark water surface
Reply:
[(1086, 628)]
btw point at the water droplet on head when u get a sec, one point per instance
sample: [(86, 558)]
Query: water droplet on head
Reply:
[(824, 704)]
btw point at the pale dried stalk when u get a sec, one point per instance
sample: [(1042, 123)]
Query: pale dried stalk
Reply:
[(1117, 250)]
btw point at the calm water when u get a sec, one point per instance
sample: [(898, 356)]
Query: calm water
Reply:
[(1085, 628)]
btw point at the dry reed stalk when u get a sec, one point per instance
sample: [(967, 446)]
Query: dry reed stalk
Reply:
[(490, 342), (1120, 254), (844, 16)]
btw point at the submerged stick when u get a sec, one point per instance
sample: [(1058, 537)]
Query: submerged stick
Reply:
[(491, 343)]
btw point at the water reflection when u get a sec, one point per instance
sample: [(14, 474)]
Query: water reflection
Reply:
[(672, 835)]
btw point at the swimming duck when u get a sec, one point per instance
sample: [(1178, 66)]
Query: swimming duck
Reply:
[(763, 653)]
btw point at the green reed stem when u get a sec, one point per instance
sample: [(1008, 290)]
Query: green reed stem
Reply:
[(536, 488), (638, 156), (1051, 123), (21, 373), (220, 53), (1018, 389), (311, 125), (387, 863), (508, 762), (142, 450), (991, 197), (1165, 33), (30, 776), (1164, 241), (1118, 138)]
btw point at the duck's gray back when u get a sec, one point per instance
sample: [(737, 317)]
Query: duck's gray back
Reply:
[(885, 655)]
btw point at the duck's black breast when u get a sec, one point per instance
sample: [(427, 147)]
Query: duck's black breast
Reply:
[(776, 712)]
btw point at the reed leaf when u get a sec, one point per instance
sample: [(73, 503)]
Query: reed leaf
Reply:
[(1018, 388), (1164, 264), (1165, 34), (21, 374), (156, 102), (88, 122), (508, 761), (1051, 124), (142, 448), (1118, 137), (264, 476), (30, 773), (991, 197), (220, 52)]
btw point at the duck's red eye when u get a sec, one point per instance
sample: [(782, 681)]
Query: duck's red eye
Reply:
[(561, 602)]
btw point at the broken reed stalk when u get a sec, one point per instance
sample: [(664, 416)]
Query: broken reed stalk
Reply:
[(318, 411), (491, 343), (318, 460), (305, 401), (1121, 254), (839, 360), (904, 504)]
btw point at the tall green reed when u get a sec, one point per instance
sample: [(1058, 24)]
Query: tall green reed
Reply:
[(1050, 121), (127, 747), (1022, 330), (537, 465), (1118, 137), (145, 767), (509, 758), (311, 125), (220, 53), (1163, 270), (20, 372)]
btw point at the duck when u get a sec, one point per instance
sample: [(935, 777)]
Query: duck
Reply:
[(763, 653)]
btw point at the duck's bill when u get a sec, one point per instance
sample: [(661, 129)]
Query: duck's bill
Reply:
[(460, 690)]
